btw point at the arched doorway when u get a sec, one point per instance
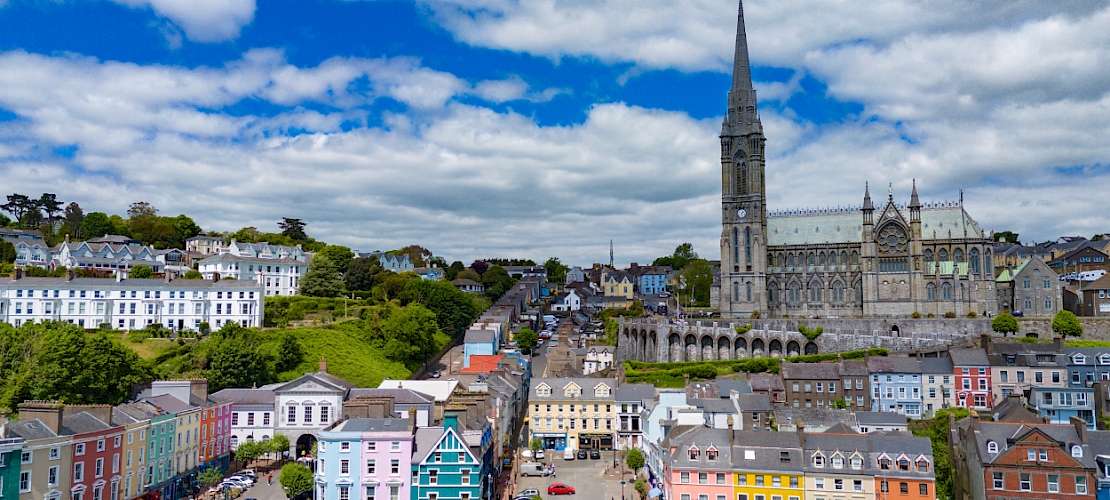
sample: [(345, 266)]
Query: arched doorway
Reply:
[(674, 348), (811, 348), (792, 348), (757, 348), (305, 444), (775, 348), (895, 331)]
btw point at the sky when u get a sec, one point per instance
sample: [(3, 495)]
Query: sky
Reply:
[(539, 128)]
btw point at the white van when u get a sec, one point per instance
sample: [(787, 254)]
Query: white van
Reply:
[(1091, 275), (568, 454), (534, 469)]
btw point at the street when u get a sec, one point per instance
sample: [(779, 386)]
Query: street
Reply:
[(591, 479)]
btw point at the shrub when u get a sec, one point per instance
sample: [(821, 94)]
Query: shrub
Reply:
[(949, 314), (810, 334), (1066, 324), (916, 315), (972, 314), (1005, 323), (930, 315), (756, 315), (740, 330)]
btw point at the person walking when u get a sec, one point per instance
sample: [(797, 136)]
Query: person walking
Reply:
[(270, 478)]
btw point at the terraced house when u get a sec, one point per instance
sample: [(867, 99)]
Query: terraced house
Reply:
[(365, 459), (572, 413), (11, 450), (45, 463), (444, 467), (896, 385)]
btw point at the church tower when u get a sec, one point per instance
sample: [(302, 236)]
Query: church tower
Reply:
[(743, 196)]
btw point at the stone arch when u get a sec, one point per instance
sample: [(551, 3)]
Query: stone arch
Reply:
[(757, 348), (724, 348), (741, 348), (811, 348), (811, 259), (895, 331), (690, 347), (652, 349), (792, 348), (774, 349), (674, 348), (707, 353), (644, 345), (304, 444)]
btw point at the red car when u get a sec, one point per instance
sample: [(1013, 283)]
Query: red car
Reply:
[(560, 489)]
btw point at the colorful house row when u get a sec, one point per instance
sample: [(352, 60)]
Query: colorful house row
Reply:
[(156, 443), (704, 463)]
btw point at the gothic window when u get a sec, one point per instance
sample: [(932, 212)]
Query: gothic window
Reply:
[(931, 291), (859, 292), (815, 292), (1028, 303), (988, 264), (773, 292), (946, 291), (974, 261), (778, 260), (832, 258), (735, 292), (812, 261), (821, 259), (892, 239), (962, 290), (1025, 283), (855, 257), (795, 295), (743, 187), (748, 245), (928, 255), (749, 286), (1047, 304), (838, 292), (735, 246), (790, 259), (958, 255), (942, 255)]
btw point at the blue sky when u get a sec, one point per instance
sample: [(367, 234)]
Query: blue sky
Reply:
[(482, 128)]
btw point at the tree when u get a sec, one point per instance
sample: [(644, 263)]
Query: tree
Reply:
[(235, 360), (362, 274), (5, 221), (698, 279), (683, 255), (18, 205), (409, 334), (7, 252), (279, 444), (535, 445), (96, 224), (340, 257), (141, 209), (454, 269), (141, 271), (641, 487), (497, 281), (209, 477), (526, 339), (74, 216), (293, 229), (290, 353), (1007, 236), (556, 271), (183, 228), (50, 206), (249, 451), (417, 254), (469, 274), (1066, 324), (479, 266), (634, 459), (322, 279), (192, 274), (1005, 323), (454, 308), (296, 479)]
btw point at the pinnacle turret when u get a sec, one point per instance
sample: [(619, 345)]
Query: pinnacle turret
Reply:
[(867, 205), (914, 201)]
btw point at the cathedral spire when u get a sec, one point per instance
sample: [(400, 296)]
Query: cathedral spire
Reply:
[(741, 98), (867, 205), (914, 201)]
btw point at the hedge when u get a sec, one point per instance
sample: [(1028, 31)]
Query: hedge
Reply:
[(673, 375)]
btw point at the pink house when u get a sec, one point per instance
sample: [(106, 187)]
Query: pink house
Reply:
[(697, 466), (365, 459)]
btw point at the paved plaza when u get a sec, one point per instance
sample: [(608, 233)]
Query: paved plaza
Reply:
[(591, 479)]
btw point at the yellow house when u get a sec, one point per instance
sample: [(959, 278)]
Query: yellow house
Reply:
[(135, 419), (767, 466), (572, 413), (618, 284)]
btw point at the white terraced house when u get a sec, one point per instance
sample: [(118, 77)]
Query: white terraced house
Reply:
[(129, 304), (277, 268)]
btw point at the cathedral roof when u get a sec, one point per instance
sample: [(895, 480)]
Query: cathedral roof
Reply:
[(804, 227)]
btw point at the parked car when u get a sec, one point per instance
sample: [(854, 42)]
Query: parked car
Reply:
[(664, 294), (539, 455), (560, 489), (248, 472), (530, 492), (243, 479), (437, 374), (568, 454), (526, 453), (581, 454), (594, 454)]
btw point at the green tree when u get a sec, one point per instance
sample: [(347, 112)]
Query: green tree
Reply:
[(526, 339), (469, 274), (279, 444), (209, 477), (235, 360), (556, 271), (192, 274), (409, 334), (7, 252), (50, 206), (454, 269), (340, 257), (5, 221), (535, 445), (290, 353), (322, 279), (293, 229), (683, 255), (1005, 323), (454, 308), (249, 451), (362, 274), (96, 224), (1007, 236), (296, 479), (641, 487), (141, 271), (18, 205), (1066, 324), (141, 209), (698, 279), (73, 217), (634, 459), (497, 281), (417, 254)]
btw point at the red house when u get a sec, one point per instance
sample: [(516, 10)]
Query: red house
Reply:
[(97, 446), (972, 370)]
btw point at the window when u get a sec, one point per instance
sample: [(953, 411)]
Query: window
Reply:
[(904, 488), (1025, 484), (759, 480), (78, 449), (998, 483), (819, 483), (1042, 455), (344, 493), (818, 461), (394, 467), (857, 485), (838, 484), (79, 471), (684, 477), (345, 446), (371, 467), (720, 478), (776, 481), (394, 446), (345, 467), (1053, 483), (52, 476), (1081, 485), (25, 481), (370, 493), (1077, 451), (923, 489), (703, 478)]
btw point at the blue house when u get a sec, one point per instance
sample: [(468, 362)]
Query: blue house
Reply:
[(443, 465), (1059, 404), (1087, 365), (896, 385), (483, 342), (651, 280)]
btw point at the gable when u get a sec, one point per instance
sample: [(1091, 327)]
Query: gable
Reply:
[(450, 442), (308, 384)]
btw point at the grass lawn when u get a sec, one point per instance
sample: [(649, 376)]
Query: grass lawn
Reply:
[(349, 358)]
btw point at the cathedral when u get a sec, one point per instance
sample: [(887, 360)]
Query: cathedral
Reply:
[(885, 259)]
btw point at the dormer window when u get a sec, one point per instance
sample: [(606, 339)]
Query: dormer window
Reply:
[(992, 447), (922, 465), (693, 451), (1104, 359), (857, 463), (837, 462), (1077, 451), (1079, 359), (903, 464), (711, 454), (818, 461), (884, 463)]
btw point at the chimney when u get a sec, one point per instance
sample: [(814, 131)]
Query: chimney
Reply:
[(47, 412), (730, 422), (215, 277), (801, 431), (101, 412), (985, 342), (67, 237), (199, 388), (1058, 343), (169, 276), (69, 275), (323, 365), (122, 274), (1080, 428), (17, 273)]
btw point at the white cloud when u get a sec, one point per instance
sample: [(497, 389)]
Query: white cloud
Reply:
[(201, 20)]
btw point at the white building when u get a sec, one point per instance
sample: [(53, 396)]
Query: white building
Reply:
[(567, 301), (281, 276), (252, 413), (130, 303), (109, 256)]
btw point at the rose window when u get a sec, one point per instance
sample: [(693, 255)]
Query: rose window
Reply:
[(892, 239)]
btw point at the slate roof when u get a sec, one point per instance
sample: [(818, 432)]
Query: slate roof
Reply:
[(227, 257), (785, 415), (809, 371), (170, 404), (839, 428), (559, 384), (1102, 283), (82, 423), (424, 441), (262, 397), (400, 396), (763, 451), (969, 357), (131, 413), (846, 226), (936, 366), (440, 390), (465, 282), (479, 336), (726, 386), (1005, 434), (893, 364), (853, 367), (130, 284), (766, 383), (880, 418), (752, 403), (704, 438), (30, 429), (322, 378), (372, 425), (634, 392)]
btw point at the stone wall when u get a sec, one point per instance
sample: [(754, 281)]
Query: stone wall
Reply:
[(1093, 328)]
